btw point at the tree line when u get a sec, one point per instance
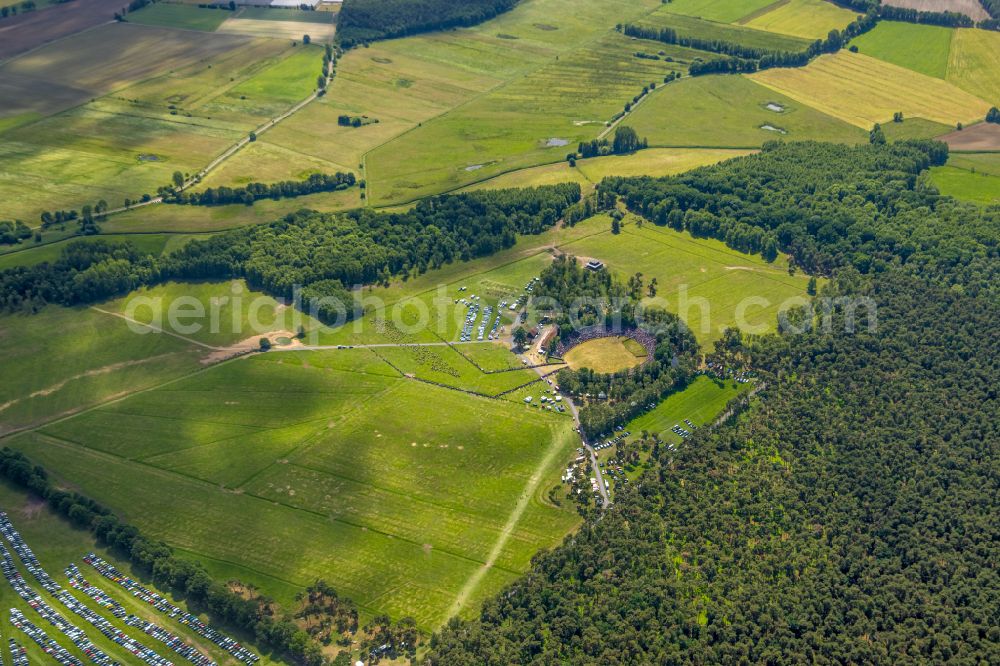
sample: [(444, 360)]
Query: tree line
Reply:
[(844, 514), (362, 21), (744, 58), (247, 194), (324, 253)]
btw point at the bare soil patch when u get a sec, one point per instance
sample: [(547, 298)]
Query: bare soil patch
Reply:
[(981, 137), (27, 31)]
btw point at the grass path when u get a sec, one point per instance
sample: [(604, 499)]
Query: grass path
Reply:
[(515, 516)]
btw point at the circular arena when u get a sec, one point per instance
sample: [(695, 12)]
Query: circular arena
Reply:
[(605, 351)]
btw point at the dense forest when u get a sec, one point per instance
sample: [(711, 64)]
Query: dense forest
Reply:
[(844, 514), (324, 253), (367, 20)]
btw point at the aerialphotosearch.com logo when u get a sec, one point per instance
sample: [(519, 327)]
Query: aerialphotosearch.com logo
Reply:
[(240, 314)]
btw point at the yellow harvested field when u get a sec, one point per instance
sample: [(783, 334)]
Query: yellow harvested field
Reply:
[(863, 91), (655, 162), (974, 63), (318, 32), (812, 19), (650, 162)]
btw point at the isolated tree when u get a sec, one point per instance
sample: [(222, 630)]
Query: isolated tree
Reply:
[(993, 115), (616, 225), (265, 344), (651, 288), (253, 136), (178, 179), (306, 39), (811, 287)]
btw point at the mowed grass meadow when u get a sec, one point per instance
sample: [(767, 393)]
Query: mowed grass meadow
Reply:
[(701, 280), (731, 111), (305, 465), (809, 19)]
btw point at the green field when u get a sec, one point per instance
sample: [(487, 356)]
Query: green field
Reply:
[(922, 48), (700, 403), (57, 544), (64, 359), (301, 465), (707, 284), (724, 11), (89, 64), (862, 90), (293, 15), (731, 111), (966, 185), (185, 17), (809, 19)]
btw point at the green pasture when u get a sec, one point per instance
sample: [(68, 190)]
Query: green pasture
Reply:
[(183, 220), (914, 128), (709, 285), (277, 14), (922, 48), (532, 120), (61, 360), (723, 11), (974, 63), (964, 184), (298, 465), (131, 141), (700, 402), (730, 111)]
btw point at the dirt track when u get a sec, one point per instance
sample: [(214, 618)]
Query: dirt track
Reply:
[(28, 31)]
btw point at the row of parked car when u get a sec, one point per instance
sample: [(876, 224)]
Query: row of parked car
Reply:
[(48, 646), (163, 605), (115, 634), (172, 641), (49, 614), (78, 582), (18, 655)]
